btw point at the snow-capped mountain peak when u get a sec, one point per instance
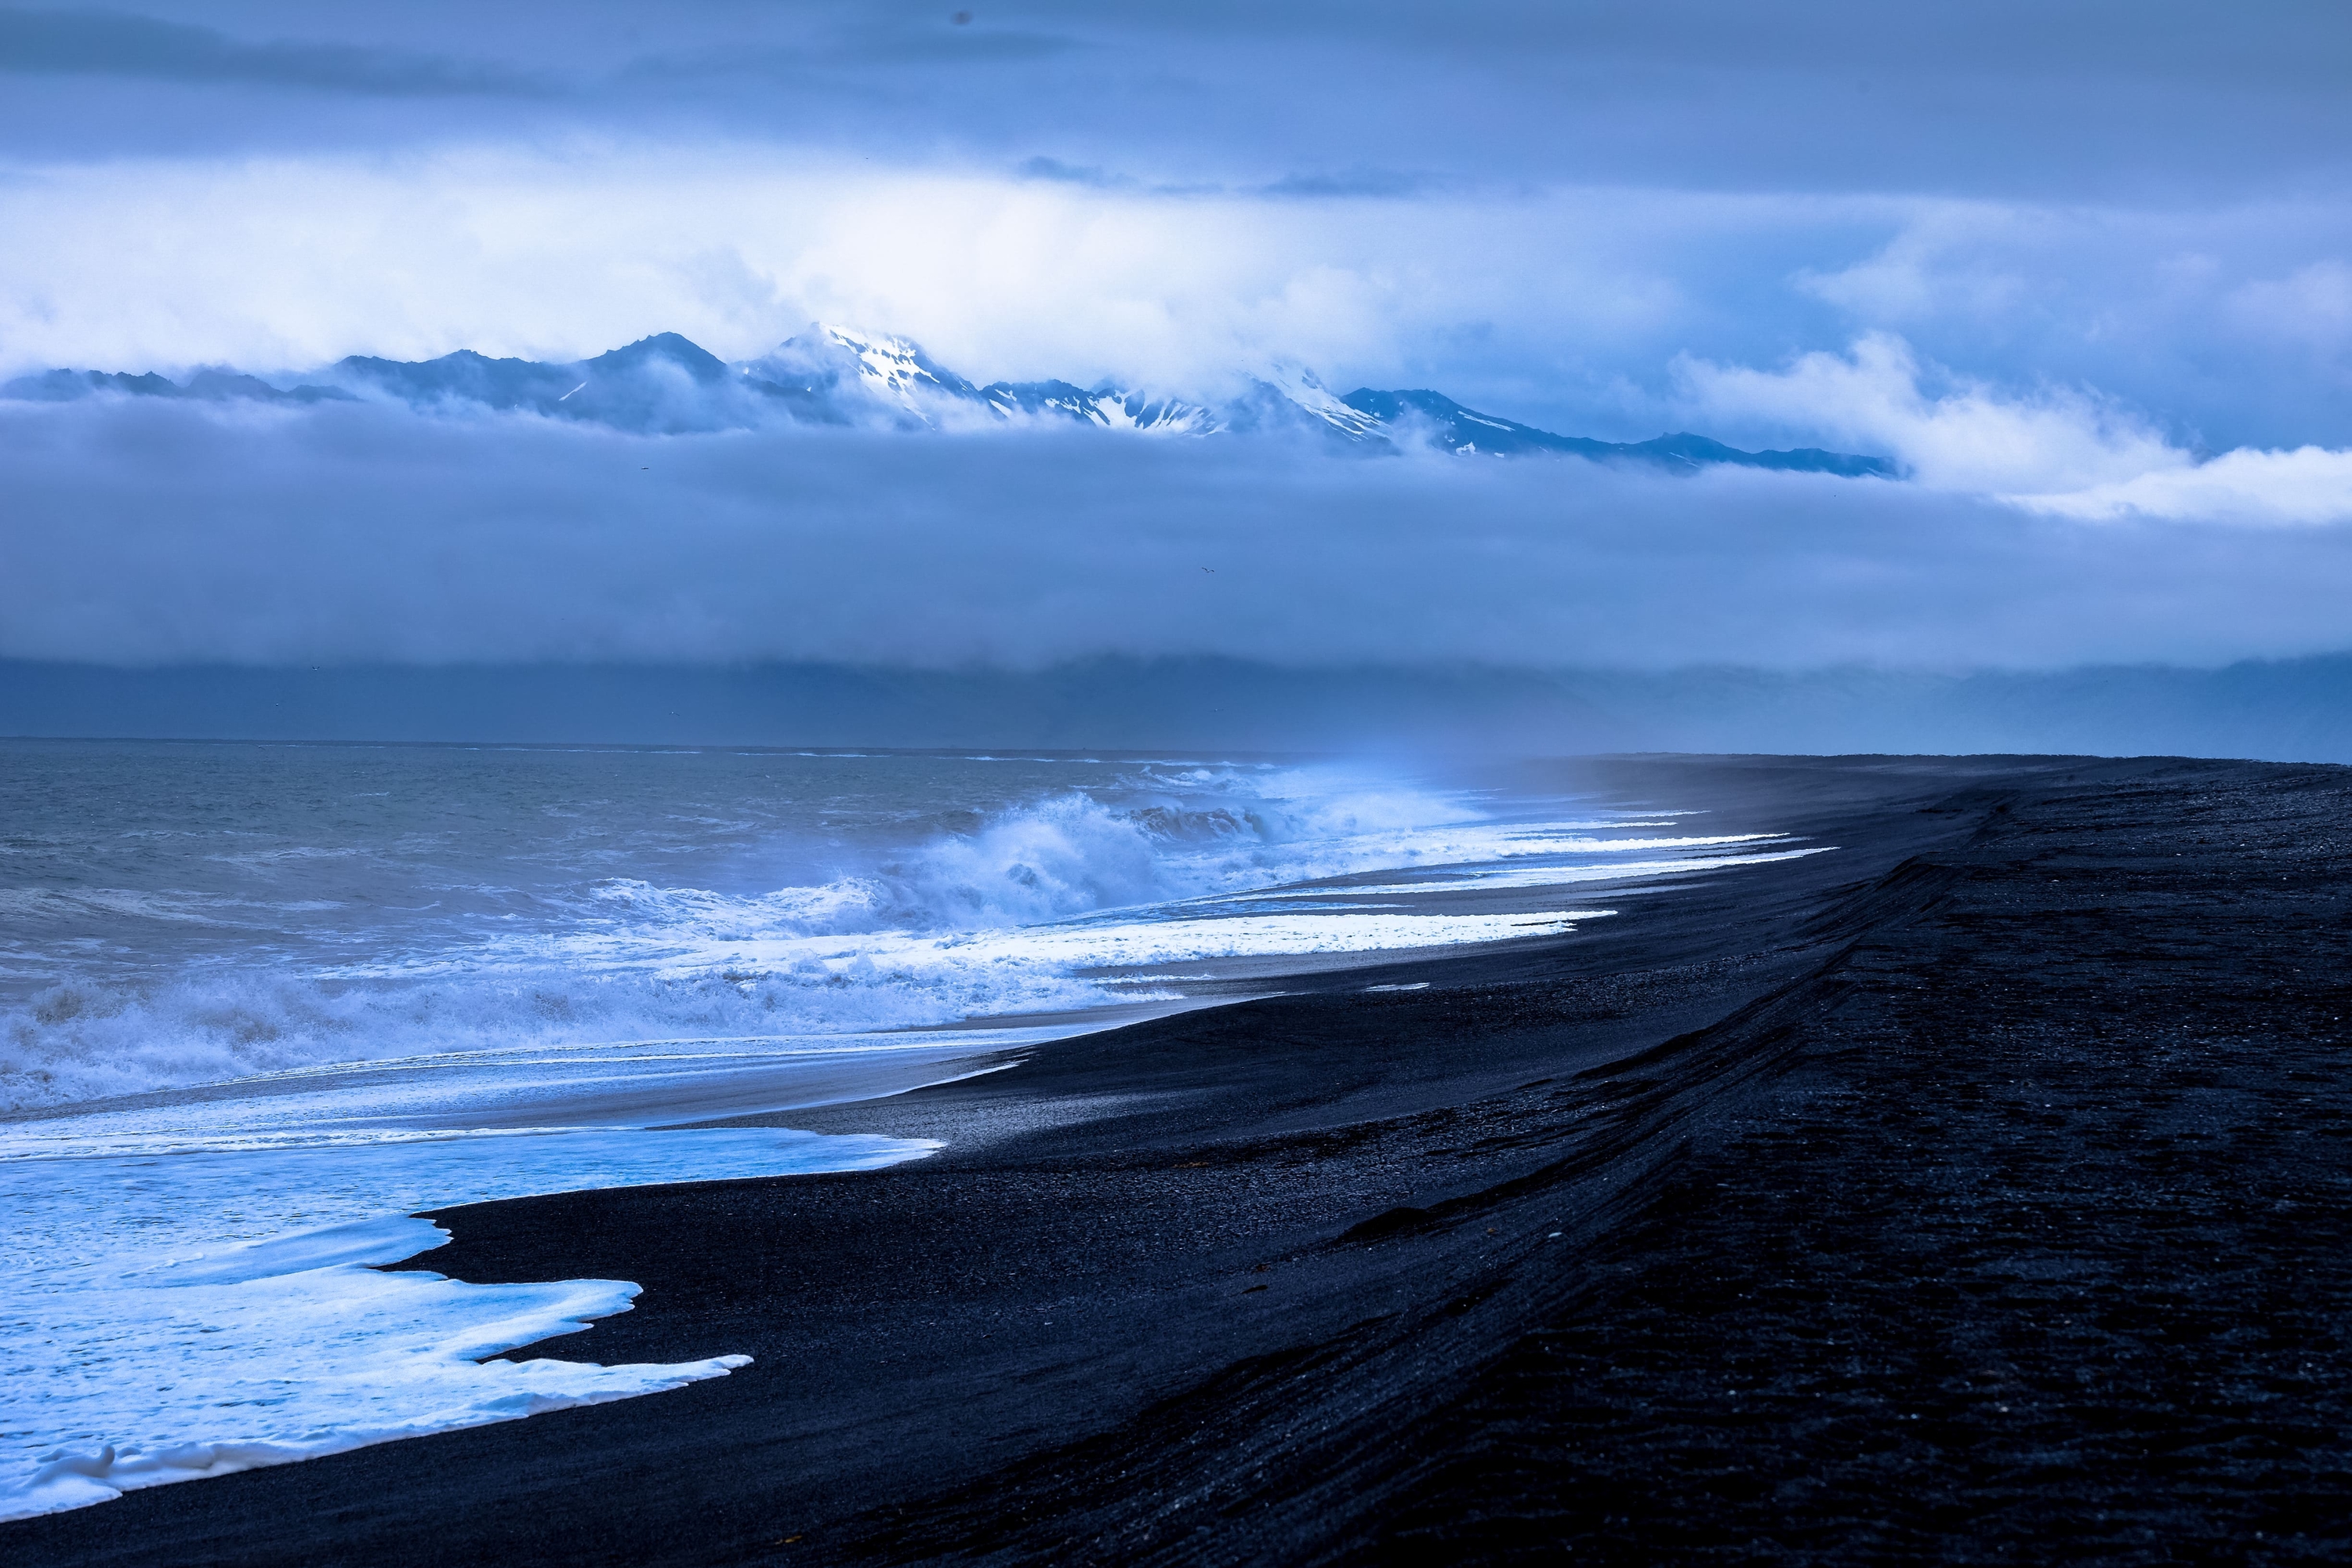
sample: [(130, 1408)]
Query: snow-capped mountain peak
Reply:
[(849, 363), (1294, 383), (847, 369), (895, 366)]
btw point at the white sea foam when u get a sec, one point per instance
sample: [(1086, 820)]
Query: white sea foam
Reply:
[(1095, 944), (171, 1317), (85, 1039), (963, 925), (1496, 879), (606, 959)]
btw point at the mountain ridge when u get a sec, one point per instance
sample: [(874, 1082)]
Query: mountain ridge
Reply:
[(666, 384)]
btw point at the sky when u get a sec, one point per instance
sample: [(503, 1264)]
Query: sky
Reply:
[(2084, 270)]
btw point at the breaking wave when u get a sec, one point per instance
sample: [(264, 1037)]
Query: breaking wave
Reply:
[(884, 944)]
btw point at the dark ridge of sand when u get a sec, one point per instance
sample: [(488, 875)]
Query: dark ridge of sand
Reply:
[(1980, 1192)]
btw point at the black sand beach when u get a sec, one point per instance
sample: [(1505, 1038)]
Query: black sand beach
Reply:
[(1981, 1192)]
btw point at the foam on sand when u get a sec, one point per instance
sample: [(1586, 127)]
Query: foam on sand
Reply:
[(174, 1316)]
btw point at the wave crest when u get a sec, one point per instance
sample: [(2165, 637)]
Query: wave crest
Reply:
[(876, 947)]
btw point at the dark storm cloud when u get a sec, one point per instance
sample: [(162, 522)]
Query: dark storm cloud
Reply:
[(65, 43), (143, 533), (1354, 183), (2093, 100), (1093, 176)]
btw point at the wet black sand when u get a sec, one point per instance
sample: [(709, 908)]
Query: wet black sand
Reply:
[(1981, 1192)]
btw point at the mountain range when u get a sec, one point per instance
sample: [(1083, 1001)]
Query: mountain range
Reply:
[(833, 375)]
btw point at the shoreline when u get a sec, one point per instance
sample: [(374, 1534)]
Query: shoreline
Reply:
[(1297, 1278)]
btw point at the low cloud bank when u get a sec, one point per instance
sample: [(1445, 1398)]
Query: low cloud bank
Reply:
[(144, 533), (2291, 710)]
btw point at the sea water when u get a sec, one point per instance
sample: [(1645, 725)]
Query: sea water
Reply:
[(260, 1004)]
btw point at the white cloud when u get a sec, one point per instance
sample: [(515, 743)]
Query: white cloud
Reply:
[(289, 262), (2061, 452), (1970, 437), (2234, 321), (2306, 486)]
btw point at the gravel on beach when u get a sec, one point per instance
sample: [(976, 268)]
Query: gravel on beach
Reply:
[(1981, 1192)]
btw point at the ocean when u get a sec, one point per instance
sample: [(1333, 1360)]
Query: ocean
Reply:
[(260, 1004)]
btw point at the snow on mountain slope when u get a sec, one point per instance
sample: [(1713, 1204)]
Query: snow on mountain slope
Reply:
[(899, 368), (1304, 390), (861, 374), (1117, 410), (1108, 406), (895, 373)]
